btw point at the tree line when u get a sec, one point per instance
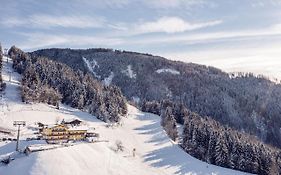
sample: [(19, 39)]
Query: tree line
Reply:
[(208, 140), (2, 84), (51, 82), (1, 64)]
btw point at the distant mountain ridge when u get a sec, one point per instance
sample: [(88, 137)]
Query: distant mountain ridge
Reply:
[(245, 102)]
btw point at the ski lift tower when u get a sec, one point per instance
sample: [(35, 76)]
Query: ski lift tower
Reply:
[(18, 123)]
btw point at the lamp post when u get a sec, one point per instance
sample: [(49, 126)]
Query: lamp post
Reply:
[(18, 123)]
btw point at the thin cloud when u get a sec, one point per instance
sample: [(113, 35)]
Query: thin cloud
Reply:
[(13, 22), (240, 58), (48, 21), (66, 21), (172, 25), (263, 3), (168, 4), (154, 4), (118, 39), (208, 37), (41, 40), (276, 27)]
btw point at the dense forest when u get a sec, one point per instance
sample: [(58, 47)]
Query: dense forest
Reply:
[(1, 64), (2, 84), (208, 140), (51, 82), (242, 101)]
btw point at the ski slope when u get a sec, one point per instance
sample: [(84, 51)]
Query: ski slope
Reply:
[(155, 154)]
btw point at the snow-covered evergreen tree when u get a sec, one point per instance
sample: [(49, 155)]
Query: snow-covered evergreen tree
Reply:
[(208, 140), (2, 85), (221, 152), (169, 123)]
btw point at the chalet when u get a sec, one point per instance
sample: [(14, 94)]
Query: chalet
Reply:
[(62, 134), (55, 134)]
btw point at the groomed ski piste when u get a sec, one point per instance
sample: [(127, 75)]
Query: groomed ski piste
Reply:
[(155, 153)]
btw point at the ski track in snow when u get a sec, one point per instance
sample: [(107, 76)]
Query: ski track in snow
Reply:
[(172, 71), (107, 81), (156, 154), (91, 66), (129, 72)]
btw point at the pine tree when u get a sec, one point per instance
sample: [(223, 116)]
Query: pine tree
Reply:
[(264, 166), (221, 152), (1, 65), (203, 140), (169, 123), (186, 136), (234, 156), (211, 148), (180, 113), (251, 164)]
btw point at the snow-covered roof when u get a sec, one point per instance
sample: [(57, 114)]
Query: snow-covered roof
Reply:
[(107, 81), (71, 120), (53, 125), (78, 128)]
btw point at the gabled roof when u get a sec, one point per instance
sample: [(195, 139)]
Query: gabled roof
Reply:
[(78, 128), (56, 126)]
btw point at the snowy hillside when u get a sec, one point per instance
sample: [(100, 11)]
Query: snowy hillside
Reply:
[(230, 99), (155, 152)]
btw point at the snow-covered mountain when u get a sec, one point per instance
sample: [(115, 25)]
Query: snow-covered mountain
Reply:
[(242, 101), (155, 152)]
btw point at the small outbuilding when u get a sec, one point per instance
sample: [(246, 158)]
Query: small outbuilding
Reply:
[(74, 122)]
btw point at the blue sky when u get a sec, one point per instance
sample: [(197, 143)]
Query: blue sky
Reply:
[(235, 35)]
